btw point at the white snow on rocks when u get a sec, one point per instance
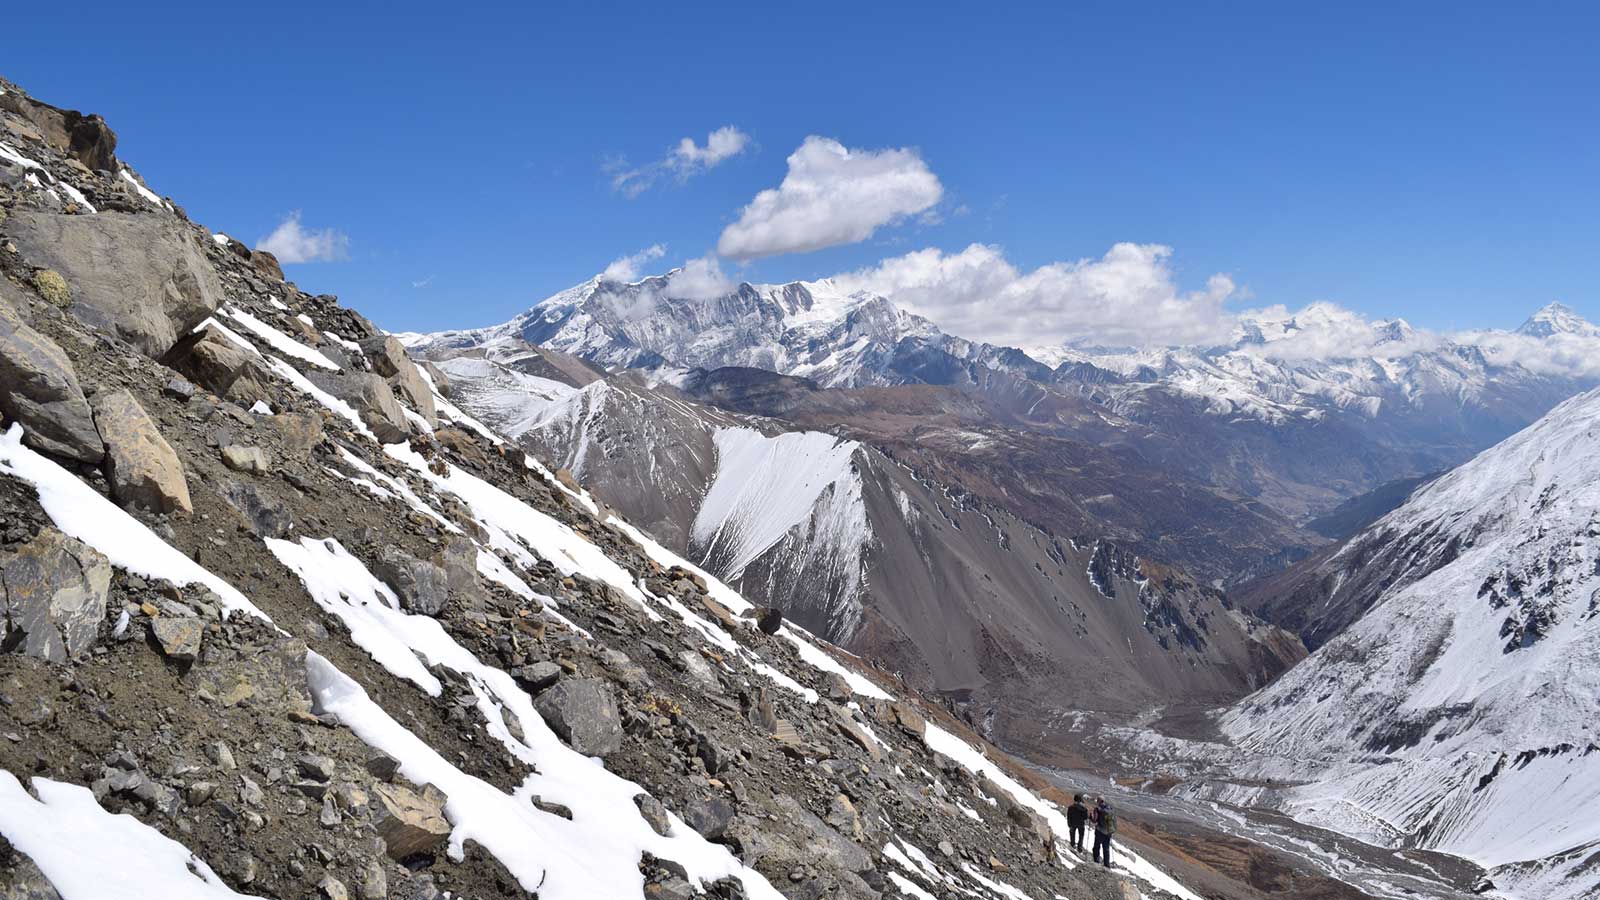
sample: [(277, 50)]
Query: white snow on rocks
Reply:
[(518, 527), (143, 191), (303, 384), (341, 585), (90, 854), (81, 512), (77, 196), (594, 855), (10, 154), (279, 341)]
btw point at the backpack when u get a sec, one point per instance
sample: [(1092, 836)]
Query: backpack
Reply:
[(1107, 823)]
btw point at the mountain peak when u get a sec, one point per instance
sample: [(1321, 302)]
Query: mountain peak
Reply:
[(1557, 318)]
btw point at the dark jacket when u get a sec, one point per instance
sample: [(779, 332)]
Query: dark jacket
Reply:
[(1105, 821), (1077, 814)]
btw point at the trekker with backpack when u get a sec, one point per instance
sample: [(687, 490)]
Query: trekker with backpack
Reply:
[(1105, 825), (1077, 814)]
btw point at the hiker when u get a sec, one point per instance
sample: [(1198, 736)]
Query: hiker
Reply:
[(1105, 825), (1077, 814)]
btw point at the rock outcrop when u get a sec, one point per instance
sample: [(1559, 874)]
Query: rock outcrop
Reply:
[(141, 278)]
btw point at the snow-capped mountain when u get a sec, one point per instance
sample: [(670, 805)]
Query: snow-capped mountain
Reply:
[(955, 593), (1372, 402), (1458, 712), (1556, 319), (809, 329)]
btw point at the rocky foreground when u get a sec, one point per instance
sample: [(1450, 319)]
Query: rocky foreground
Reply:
[(318, 633)]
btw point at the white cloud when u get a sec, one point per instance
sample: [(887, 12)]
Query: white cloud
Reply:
[(699, 279), (291, 243), (1128, 297), (1573, 355), (720, 144), (831, 195), (685, 160), (627, 268)]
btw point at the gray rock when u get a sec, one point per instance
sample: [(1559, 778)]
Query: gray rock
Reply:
[(582, 712), (372, 883), (828, 845), (422, 587), (140, 464), (461, 570), (537, 677), (220, 756), (54, 597), (241, 458), (699, 670), (142, 278), (410, 822), (179, 388), (179, 637), (655, 815), (39, 388), (709, 816), (382, 766), (389, 359), (220, 365), (331, 888), (314, 767), (843, 816), (265, 514), (373, 399)]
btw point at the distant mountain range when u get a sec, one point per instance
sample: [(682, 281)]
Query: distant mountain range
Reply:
[(937, 502)]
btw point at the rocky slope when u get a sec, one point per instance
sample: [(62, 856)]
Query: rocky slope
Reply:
[(1456, 713), (1007, 620), (317, 632)]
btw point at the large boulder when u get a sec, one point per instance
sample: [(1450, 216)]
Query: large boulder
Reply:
[(39, 388), (142, 278), (54, 597), (582, 712), (266, 264), (220, 365), (389, 359), (410, 822), (422, 587), (140, 464)]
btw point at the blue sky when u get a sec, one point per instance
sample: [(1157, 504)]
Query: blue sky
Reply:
[(1436, 162)]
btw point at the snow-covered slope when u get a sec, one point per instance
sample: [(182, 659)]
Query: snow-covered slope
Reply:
[(1459, 713)]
